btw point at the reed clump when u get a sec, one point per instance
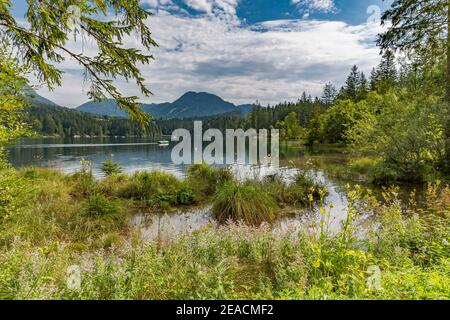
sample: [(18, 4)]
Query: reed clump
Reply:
[(244, 201)]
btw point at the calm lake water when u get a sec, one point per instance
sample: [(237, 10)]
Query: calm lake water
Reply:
[(136, 154)]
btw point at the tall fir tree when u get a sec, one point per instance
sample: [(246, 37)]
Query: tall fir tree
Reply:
[(363, 87), (42, 40), (329, 94), (351, 88)]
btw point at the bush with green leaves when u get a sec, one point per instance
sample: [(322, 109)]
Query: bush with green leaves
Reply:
[(406, 131)]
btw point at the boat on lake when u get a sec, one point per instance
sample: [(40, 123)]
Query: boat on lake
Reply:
[(163, 143)]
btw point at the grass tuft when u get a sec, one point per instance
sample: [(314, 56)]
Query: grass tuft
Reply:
[(244, 201)]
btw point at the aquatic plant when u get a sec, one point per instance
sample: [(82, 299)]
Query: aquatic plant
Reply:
[(244, 201), (302, 191), (146, 185)]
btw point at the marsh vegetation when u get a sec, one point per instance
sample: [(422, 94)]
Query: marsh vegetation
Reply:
[(66, 220)]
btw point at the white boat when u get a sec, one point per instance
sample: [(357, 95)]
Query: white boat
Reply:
[(163, 143)]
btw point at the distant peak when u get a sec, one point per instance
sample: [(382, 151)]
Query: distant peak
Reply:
[(194, 93)]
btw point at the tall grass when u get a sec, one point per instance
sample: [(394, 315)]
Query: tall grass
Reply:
[(244, 201), (205, 179), (302, 191), (55, 227), (237, 261)]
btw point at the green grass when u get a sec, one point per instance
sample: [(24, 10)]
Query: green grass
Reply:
[(53, 226), (205, 179), (303, 191), (244, 201), (242, 262)]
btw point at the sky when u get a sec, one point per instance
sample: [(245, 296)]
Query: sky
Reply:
[(242, 50)]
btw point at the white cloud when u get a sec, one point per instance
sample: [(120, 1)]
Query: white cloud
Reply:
[(271, 62), (223, 9), (306, 7)]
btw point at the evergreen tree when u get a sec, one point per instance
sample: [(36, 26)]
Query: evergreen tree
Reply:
[(363, 87), (351, 87), (329, 94), (387, 72), (374, 79), (43, 41)]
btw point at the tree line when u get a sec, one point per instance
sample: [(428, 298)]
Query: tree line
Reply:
[(64, 122)]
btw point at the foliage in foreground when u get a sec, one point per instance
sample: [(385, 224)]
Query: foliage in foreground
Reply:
[(12, 101), (403, 255)]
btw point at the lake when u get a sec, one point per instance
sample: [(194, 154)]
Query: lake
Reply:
[(136, 154)]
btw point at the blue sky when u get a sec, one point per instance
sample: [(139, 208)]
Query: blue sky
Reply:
[(255, 11), (245, 50)]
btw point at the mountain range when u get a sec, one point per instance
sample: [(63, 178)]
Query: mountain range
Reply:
[(189, 105)]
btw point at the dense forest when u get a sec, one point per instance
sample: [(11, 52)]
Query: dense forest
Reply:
[(63, 122)]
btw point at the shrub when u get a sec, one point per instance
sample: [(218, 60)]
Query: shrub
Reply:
[(110, 167), (185, 195), (407, 132), (246, 201), (383, 174), (99, 206)]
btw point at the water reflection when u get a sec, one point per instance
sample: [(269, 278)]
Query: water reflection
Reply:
[(136, 154), (165, 227)]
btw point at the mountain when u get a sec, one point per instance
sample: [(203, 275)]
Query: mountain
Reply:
[(245, 108), (49, 119), (189, 105), (37, 100), (104, 107)]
